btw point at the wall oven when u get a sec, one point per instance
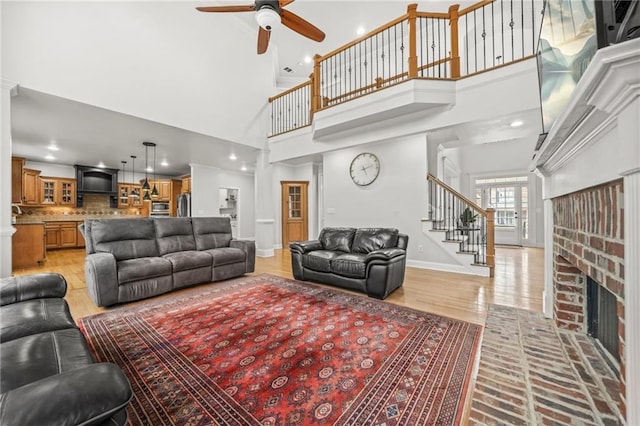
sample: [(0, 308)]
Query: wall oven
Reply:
[(159, 209)]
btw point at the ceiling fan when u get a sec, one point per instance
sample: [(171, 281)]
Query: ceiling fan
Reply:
[(268, 14)]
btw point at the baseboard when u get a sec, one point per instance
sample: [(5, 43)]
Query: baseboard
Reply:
[(445, 267), (265, 252), (277, 246)]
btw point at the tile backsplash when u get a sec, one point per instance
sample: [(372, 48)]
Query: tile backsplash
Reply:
[(94, 206)]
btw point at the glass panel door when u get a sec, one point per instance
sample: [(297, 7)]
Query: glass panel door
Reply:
[(510, 199)]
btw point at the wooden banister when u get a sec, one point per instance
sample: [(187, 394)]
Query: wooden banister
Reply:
[(473, 7), (291, 90), (491, 245), (480, 210), (316, 96)]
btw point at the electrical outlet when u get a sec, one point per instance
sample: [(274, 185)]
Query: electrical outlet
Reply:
[(420, 249)]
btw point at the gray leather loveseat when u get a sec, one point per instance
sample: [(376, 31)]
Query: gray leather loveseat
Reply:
[(131, 259), (47, 373), (370, 260)]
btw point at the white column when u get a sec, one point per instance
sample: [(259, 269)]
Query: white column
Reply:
[(547, 294), (6, 228), (265, 206), (632, 293)]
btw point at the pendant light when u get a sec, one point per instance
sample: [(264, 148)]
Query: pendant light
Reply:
[(145, 186), (154, 191), (123, 192), (133, 193)]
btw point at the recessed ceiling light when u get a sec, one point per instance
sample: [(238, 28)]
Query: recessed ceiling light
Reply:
[(149, 169), (516, 123), (307, 59), (53, 147), (50, 157), (164, 163), (243, 168), (233, 157), (360, 31)]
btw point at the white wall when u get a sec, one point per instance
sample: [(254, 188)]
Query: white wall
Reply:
[(396, 199), (149, 60), (204, 191)]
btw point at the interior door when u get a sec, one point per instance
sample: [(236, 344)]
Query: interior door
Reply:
[(511, 203), (295, 212)]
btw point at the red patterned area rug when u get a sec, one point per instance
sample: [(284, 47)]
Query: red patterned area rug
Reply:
[(265, 350)]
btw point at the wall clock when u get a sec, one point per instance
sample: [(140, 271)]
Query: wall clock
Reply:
[(364, 169)]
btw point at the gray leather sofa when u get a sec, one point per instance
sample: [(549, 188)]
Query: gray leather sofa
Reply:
[(47, 373), (370, 260), (132, 259)]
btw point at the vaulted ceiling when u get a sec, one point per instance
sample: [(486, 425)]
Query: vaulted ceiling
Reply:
[(99, 78)]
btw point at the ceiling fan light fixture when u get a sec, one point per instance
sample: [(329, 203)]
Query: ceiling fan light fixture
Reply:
[(267, 18)]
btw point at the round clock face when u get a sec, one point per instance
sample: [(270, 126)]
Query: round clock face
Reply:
[(364, 169)]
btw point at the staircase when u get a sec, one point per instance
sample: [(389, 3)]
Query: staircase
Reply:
[(461, 227)]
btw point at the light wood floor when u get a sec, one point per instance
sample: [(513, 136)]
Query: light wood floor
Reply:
[(518, 282)]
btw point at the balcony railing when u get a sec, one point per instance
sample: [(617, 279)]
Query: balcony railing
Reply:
[(451, 45)]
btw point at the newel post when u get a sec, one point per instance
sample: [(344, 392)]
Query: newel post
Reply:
[(316, 102), (412, 10), (455, 53), (491, 245)]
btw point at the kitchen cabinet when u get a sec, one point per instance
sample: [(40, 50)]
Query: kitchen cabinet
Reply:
[(61, 234), (57, 191), (124, 201), (79, 237), (164, 189), (17, 165), (30, 187), (28, 246), (186, 184)]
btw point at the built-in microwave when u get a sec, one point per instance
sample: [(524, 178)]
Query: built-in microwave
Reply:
[(159, 208)]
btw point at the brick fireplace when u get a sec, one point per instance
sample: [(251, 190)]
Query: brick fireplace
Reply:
[(588, 241), (590, 169)]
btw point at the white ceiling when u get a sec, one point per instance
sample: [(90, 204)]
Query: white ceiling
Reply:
[(87, 134)]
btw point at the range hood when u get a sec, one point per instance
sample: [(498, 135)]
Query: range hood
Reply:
[(96, 180)]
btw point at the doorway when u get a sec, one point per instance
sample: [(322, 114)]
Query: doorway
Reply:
[(509, 196), (295, 214)]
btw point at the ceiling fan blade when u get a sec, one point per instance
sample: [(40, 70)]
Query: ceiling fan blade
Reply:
[(248, 8), (283, 3), (301, 26), (263, 40)]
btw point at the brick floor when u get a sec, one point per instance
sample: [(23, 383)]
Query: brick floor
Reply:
[(531, 373)]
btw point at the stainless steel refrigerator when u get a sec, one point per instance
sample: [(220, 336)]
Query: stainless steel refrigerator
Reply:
[(184, 205)]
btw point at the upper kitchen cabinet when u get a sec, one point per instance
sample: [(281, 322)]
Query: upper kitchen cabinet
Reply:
[(57, 191), (17, 164), (30, 187)]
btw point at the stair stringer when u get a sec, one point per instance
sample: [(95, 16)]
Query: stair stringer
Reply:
[(461, 262)]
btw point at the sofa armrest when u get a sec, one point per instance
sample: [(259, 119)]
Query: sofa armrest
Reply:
[(101, 275), (384, 254), (84, 396), (303, 247), (34, 286), (249, 247)]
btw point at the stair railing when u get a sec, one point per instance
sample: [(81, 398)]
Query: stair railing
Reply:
[(462, 221), (433, 45)]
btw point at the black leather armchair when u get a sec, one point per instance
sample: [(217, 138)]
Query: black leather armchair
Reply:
[(370, 260), (47, 373)]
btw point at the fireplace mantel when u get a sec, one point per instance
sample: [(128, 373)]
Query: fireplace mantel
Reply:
[(594, 141)]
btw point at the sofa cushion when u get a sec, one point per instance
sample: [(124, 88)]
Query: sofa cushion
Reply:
[(185, 260), (143, 268), (34, 316), (319, 260), (211, 232), (337, 239), (226, 255), (124, 238), (367, 240), (35, 357), (174, 234), (350, 265)]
